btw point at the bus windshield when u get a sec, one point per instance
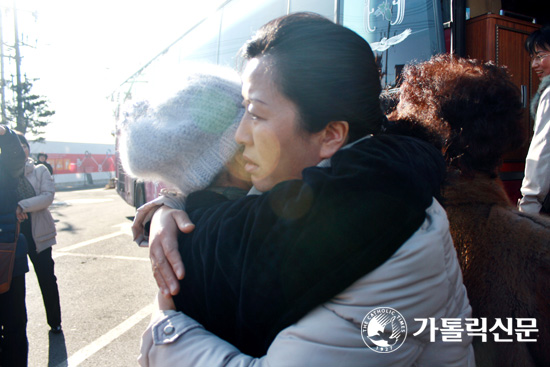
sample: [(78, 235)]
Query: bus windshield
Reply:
[(399, 31)]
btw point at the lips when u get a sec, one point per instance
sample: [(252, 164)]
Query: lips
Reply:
[(249, 166), (540, 73)]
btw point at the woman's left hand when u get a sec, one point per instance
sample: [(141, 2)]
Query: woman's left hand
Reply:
[(165, 302)]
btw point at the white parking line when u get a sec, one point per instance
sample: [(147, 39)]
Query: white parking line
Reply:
[(107, 256), (89, 350), (86, 352), (61, 251), (81, 201), (124, 229)]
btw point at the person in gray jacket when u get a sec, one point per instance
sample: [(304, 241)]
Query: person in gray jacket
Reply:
[(38, 226)]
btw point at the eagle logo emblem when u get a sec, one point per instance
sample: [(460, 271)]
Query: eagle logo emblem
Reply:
[(384, 330)]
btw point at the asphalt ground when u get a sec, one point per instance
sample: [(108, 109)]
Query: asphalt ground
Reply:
[(105, 285)]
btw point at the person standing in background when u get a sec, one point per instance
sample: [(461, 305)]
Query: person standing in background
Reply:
[(473, 111), (536, 183), (13, 311), (37, 189), (43, 159)]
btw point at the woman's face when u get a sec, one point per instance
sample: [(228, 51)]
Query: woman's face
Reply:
[(541, 62), (276, 148)]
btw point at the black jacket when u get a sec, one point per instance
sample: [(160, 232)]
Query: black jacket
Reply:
[(12, 166), (256, 265)]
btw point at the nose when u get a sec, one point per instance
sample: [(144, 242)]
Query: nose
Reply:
[(242, 135)]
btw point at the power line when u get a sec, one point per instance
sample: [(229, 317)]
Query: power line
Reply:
[(137, 73)]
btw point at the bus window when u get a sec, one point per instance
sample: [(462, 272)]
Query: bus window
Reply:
[(399, 31)]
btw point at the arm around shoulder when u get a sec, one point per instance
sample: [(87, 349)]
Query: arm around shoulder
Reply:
[(173, 338), (322, 338), (144, 214)]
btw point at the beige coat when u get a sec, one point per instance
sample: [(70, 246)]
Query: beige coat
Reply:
[(505, 260), (43, 226)]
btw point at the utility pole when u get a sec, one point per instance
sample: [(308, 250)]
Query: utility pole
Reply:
[(2, 80), (21, 124)]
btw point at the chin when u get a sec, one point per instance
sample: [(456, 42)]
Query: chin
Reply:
[(262, 185)]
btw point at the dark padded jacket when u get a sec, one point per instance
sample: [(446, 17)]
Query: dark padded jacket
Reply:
[(258, 264), (12, 165)]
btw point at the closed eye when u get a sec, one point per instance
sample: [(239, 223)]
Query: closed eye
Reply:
[(249, 106), (252, 116)]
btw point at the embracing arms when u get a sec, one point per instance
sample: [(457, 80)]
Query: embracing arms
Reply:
[(422, 171), (305, 241)]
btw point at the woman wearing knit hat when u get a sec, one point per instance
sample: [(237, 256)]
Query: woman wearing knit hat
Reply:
[(187, 139), (290, 275)]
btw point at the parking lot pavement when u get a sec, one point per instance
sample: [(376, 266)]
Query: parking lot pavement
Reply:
[(105, 285)]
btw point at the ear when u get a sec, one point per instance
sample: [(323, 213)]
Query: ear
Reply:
[(333, 137)]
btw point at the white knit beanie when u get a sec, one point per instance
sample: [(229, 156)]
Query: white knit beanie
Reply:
[(185, 140)]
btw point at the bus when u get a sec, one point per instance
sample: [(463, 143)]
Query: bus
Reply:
[(398, 31)]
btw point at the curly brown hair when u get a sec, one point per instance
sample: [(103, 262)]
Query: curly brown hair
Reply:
[(473, 107)]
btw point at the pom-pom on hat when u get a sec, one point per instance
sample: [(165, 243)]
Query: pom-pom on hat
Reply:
[(186, 139)]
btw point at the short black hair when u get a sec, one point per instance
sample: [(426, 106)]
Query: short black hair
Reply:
[(539, 38), (22, 139), (327, 70)]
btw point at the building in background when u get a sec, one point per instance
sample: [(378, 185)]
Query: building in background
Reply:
[(78, 164)]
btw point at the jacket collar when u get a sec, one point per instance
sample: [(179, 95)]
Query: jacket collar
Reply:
[(479, 189), (29, 166)]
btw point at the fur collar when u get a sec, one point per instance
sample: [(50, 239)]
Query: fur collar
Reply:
[(544, 83), (29, 166), (479, 189)]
